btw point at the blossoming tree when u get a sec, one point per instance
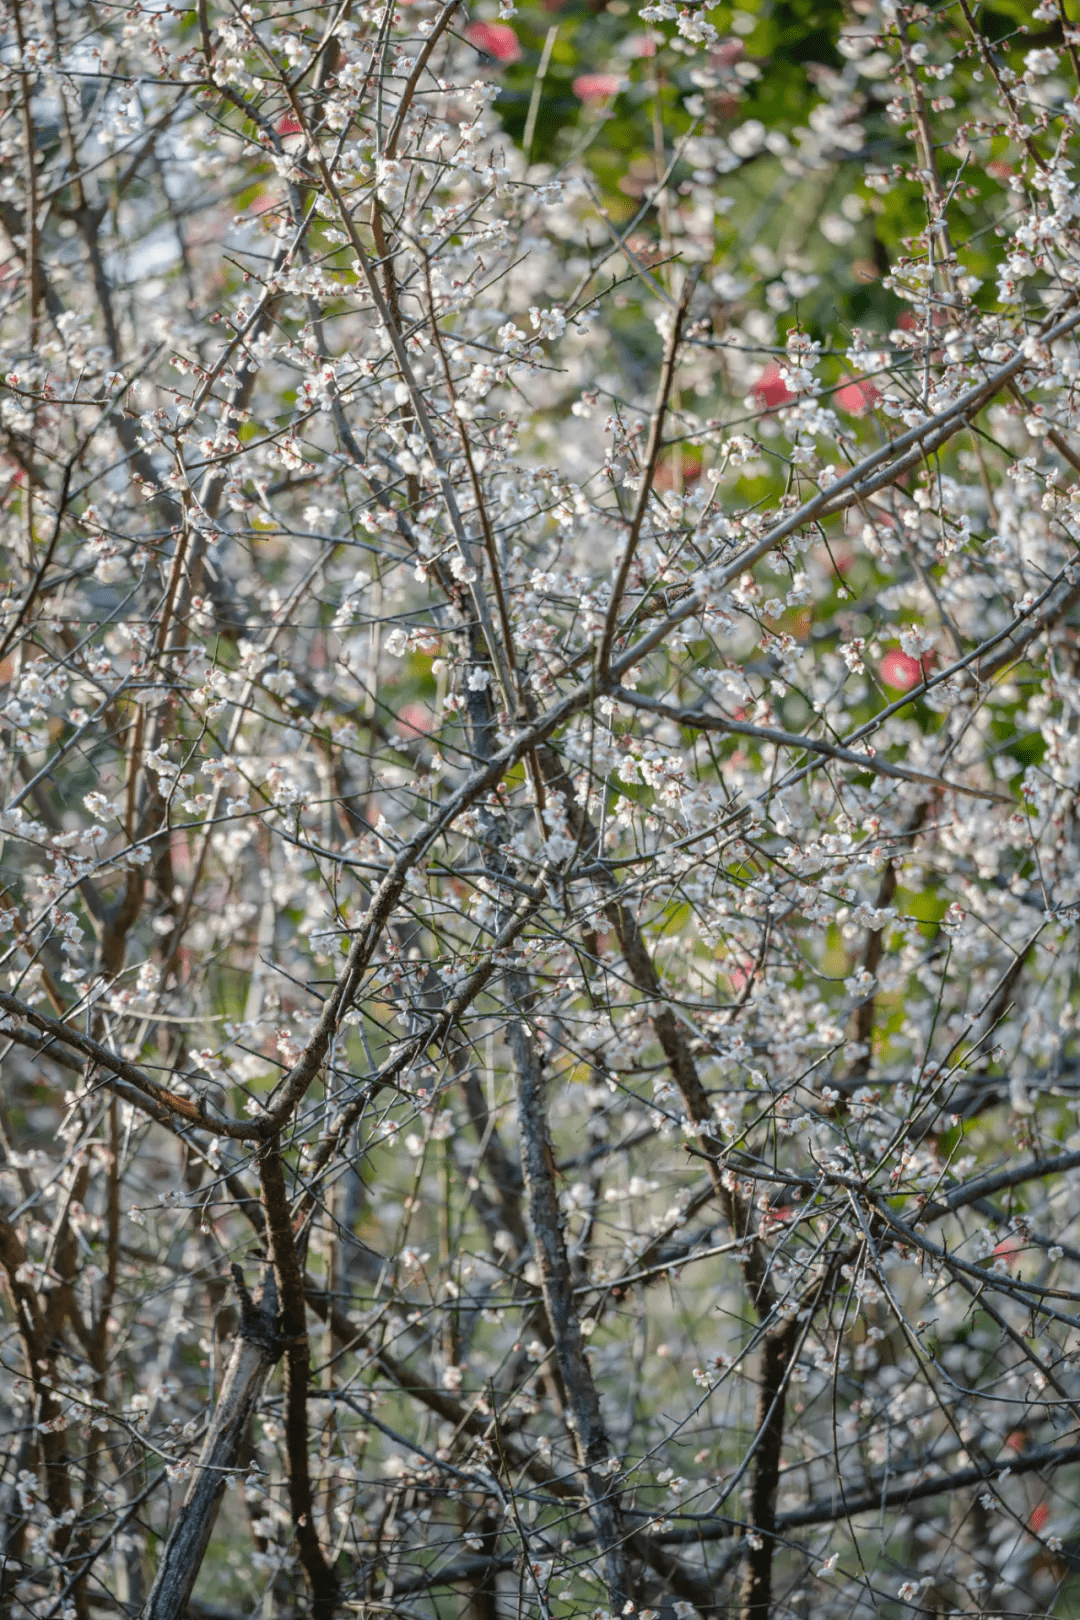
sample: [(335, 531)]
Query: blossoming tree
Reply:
[(540, 863)]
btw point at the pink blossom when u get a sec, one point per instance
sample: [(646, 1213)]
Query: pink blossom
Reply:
[(290, 132), (858, 397), (414, 719), (770, 391), (495, 39), (596, 86), (899, 669)]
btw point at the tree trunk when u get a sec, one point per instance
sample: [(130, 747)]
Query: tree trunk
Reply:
[(256, 1348)]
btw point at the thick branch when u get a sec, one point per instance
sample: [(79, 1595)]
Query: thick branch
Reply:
[(255, 1350), (290, 1283), (556, 1282)]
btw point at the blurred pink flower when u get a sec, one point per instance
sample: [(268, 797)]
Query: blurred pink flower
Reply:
[(495, 39), (290, 133), (771, 390), (899, 669), (596, 86), (414, 719), (1010, 1248), (857, 398)]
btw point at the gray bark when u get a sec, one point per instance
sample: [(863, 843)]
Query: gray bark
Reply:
[(256, 1348), (557, 1286)]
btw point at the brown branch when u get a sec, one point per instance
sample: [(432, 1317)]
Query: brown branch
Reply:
[(150, 1090), (883, 1495), (755, 1599), (290, 1284), (442, 22), (875, 945), (648, 472), (49, 1427), (686, 1582), (31, 227), (505, 1174), (778, 1335), (1019, 130), (996, 1181), (875, 471), (698, 720), (877, 1492)]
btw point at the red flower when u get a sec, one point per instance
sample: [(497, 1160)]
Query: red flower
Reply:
[(495, 39), (771, 391), (664, 477), (858, 397), (290, 133), (1039, 1515), (899, 669), (596, 86)]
